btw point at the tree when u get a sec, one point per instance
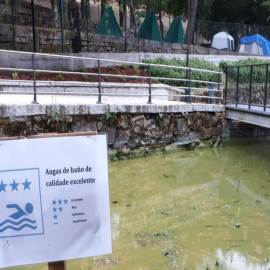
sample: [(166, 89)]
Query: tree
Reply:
[(191, 20), (74, 20), (148, 6), (159, 7)]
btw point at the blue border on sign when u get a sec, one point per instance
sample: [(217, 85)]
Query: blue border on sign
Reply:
[(40, 203)]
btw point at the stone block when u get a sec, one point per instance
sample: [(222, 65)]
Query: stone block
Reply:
[(167, 46), (200, 50), (182, 126), (85, 126), (176, 46), (111, 134)]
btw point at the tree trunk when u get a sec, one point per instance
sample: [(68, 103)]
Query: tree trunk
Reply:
[(87, 11), (121, 15), (82, 9), (103, 3), (74, 20), (160, 19), (56, 13), (191, 21), (148, 6), (132, 15)]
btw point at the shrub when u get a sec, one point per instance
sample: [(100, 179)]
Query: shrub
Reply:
[(122, 79), (85, 77), (110, 68), (137, 72), (59, 77), (123, 66), (106, 78), (81, 68), (15, 75), (181, 74), (258, 73)]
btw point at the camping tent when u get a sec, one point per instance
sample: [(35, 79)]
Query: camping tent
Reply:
[(223, 41), (149, 29), (108, 24), (255, 44), (176, 32)]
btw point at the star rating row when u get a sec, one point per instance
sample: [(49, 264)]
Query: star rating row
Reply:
[(60, 209), (60, 202), (14, 185)]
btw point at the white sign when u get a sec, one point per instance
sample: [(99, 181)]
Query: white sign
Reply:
[(54, 199)]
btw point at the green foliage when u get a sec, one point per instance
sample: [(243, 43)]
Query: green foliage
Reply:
[(111, 117), (132, 66), (81, 68), (137, 72), (258, 72), (159, 116), (106, 78), (181, 74), (59, 77), (85, 77), (110, 68), (15, 75), (123, 66), (37, 75), (122, 79)]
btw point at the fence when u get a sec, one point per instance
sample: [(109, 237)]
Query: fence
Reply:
[(49, 19), (189, 90), (205, 30), (248, 85)]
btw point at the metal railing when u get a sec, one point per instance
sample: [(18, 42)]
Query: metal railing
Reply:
[(215, 91), (247, 86)]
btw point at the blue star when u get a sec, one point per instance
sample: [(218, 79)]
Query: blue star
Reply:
[(26, 184), (54, 209), (60, 202), (54, 202), (55, 216), (14, 185), (60, 209), (65, 201), (2, 187)]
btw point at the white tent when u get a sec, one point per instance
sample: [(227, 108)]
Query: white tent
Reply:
[(223, 41), (253, 48), (255, 44)]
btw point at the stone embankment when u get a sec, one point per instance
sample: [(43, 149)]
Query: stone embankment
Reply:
[(129, 135)]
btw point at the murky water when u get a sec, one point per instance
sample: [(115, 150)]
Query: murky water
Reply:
[(202, 209)]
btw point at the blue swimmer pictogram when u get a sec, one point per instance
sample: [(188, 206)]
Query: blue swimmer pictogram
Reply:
[(25, 222)]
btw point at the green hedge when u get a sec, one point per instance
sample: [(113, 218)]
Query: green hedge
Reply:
[(181, 74), (258, 74)]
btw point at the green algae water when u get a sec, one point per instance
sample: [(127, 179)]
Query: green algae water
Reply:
[(201, 209)]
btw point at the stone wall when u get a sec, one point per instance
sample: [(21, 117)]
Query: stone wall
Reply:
[(129, 135), (257, 95), (49, 41)]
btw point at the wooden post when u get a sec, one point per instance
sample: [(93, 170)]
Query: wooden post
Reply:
[(57, 265)]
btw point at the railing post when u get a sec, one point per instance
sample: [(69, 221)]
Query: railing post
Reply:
[(237, 87), (250, 86), (266, 88), (150, 86), (34, 79), (99, 84), (187, 91), (226, 87), (218, 95)]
